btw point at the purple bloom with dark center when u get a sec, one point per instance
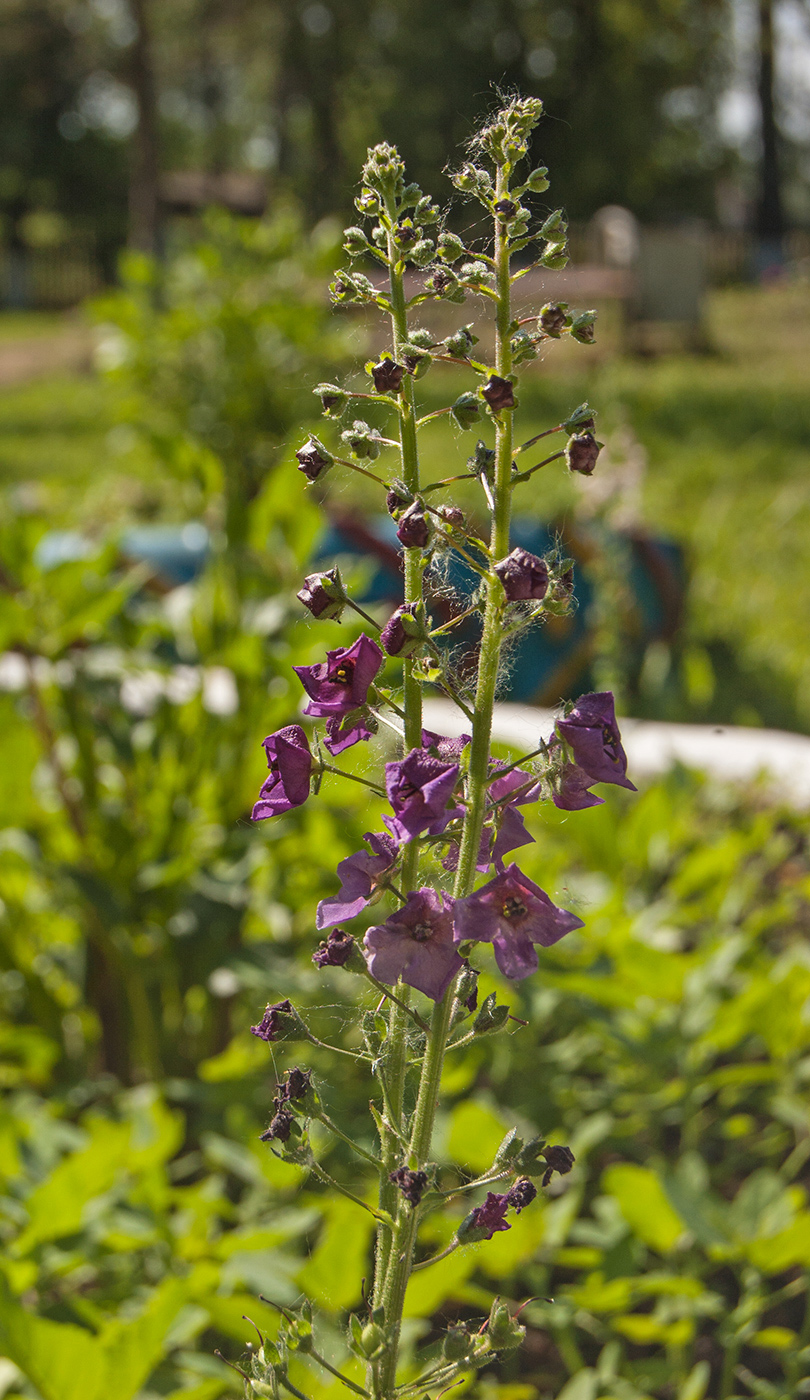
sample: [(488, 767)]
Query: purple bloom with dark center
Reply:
[(290, 763), (491, 1216), (343, 731), (523, 576), (513, 914), (335, 951), (411, 1184), (446, 749), (592, 734), (395, 639), (340, 683), (361, 876), (275, 1021), (416, 944), (521, 1194), (419, 789)]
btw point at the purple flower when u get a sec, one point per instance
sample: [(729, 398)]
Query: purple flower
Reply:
[(446, 749), (416, 944), (511, 834), (290, 763), (523, 576), (558, 1159), (277, 1022), (342, 731), (340, 683), (411, 1184), (360, 876), (572, 789), (486, 1220), (513, 914), (413, 530), (521, 1194), (419, 789), (336, 951), (398, 639), (592, 734)]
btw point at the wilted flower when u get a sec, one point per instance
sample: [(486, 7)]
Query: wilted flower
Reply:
[(523, 576), (361, 876), (342, 731), (499, 393), (592, 734), (297, 1084), (419, 788), (513, 914), (336, 950), (278, 1021), (416, 944), (413, 530), (290, 763), (558, 1159), (313, 459), (486, 1220), (280, 1127), (340, 684), (411, 1184), (521, 1194)]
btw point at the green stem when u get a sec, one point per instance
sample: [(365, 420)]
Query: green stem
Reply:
[(403, 1238), (327, 1366)]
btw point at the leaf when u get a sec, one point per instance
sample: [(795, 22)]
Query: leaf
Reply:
[(475, 1135), (644, 1205), (332, 1274), (56, 1207), (696, 1383)]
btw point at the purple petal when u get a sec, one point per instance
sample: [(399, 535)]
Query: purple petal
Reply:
[(515, 955), (359, 875), (343, 731)]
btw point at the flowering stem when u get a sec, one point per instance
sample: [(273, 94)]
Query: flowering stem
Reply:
[(365, 615), (524, 476), (361, 1151), (354, 777), (402, 1241)]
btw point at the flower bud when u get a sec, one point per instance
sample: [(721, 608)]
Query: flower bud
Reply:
[(280, 1022), (523, 576), (491, 1017), (384, 169), (411, 1184), (354, 241), (506, 209), (323, 594), (538, 180), (503, 1331), (582, 328), (467, 987), (422, 338), (417, 359), (372, 1338), (581, 452), (426, 212), (474, 272), (553, 319), (499, 393), (333, 399), (387, 375), (453, 516), (413, 530), (460, 342), (398, 498), (450, 247), (510, 1148), (404, 632), (555, 227), (313, 459), (422, 253), (363, 441), (466, 411), (367, 202), (410, 196), (457, 1343), (555, 256), (444, 283), (581, 420), (482, 459), (404, 234), (524, 347)]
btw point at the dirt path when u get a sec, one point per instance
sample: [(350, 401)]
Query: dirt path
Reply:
[(32, 357)]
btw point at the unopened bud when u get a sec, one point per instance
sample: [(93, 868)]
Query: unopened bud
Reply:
[(457, 1343), (581, 453), (450, 247), (503, 1331), (499, 393), (313, 459), (413, 530), (354, 241), (422, 253), (554, 228), (582, 328), (466, 410), (323, 594), (553, 319), (333, 399)]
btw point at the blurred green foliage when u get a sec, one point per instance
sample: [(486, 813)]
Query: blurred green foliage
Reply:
[(144, 922)]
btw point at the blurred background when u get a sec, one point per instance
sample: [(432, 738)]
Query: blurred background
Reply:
[(174, 181)]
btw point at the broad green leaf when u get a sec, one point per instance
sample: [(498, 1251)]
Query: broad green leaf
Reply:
[(56, 1207), (644, 1205), (475, 1135), (696, 1383), (332, 1274), (429, 1288), (63, 1362)]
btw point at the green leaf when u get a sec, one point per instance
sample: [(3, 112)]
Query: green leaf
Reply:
[(475, 1135), (332, 1274), (644, 1205)]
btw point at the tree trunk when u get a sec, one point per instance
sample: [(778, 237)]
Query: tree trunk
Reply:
[(144, 210), (770, 213)]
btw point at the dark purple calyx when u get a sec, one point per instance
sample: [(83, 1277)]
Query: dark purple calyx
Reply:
[(523, 576), (521, 1194), (404, 631), (280, 1127), (499, 393), (313, 459), (558, 1159), (485, 1220), (387, 376), (279, 1022), (581, 452)]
